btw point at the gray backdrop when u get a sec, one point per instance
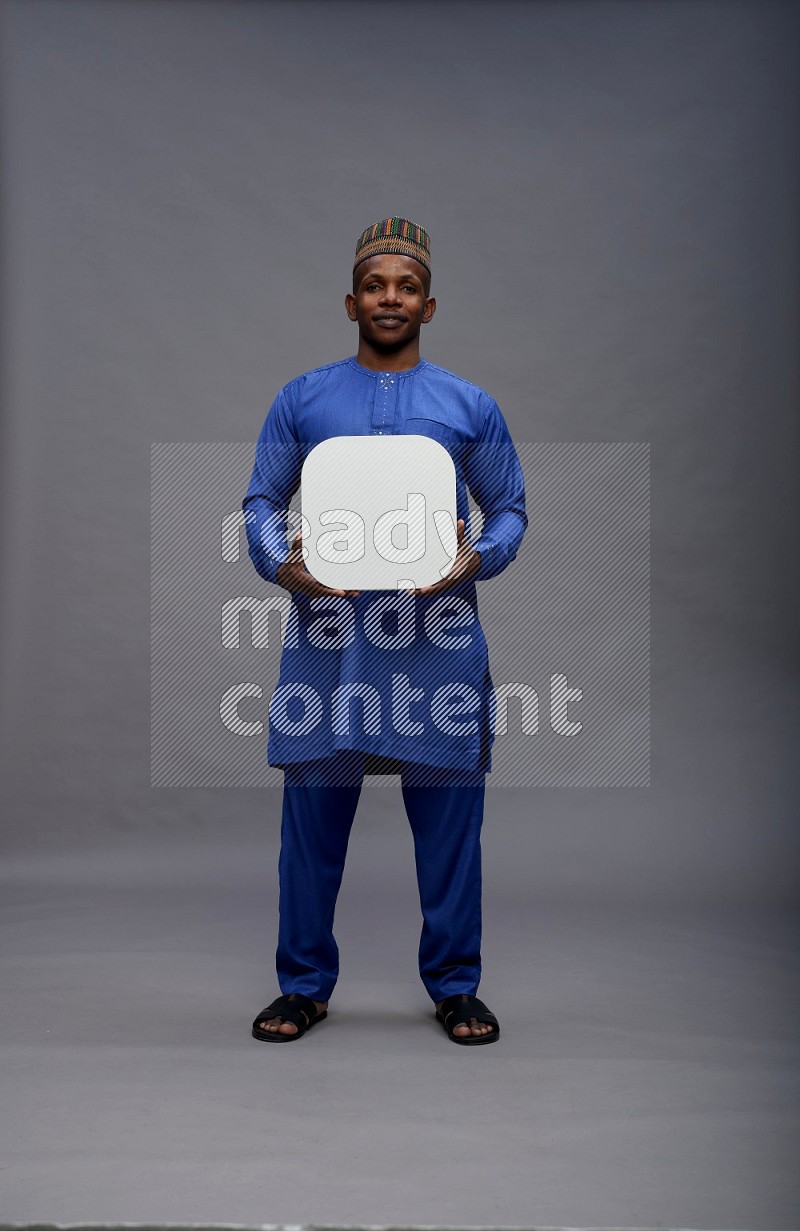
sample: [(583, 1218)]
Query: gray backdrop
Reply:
[(611, 192)]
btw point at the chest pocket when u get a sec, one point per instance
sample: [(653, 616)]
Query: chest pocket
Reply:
[(436, 429)]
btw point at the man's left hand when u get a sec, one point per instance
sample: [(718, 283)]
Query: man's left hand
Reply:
[(466, 565)]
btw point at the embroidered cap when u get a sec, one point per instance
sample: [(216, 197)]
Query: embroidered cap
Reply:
[(396, 235)]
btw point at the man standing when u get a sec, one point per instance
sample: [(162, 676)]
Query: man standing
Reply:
[(426, 641)]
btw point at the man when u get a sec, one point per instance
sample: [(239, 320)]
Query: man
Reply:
[(436, 647)]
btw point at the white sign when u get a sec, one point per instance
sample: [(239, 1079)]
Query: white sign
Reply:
[(379, 512)]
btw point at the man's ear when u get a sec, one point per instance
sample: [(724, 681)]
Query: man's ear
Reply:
[(350, 306), (428, 310)]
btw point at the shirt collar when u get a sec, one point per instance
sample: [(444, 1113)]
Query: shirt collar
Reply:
[(369, 372)]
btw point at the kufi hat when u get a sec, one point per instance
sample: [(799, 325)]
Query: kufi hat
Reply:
[(396, 235)]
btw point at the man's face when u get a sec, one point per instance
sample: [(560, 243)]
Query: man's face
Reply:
[(390, 301)]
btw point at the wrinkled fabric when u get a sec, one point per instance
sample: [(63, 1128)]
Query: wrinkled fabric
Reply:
[(424, 692)]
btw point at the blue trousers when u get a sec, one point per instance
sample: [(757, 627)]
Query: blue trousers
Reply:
[(445, 811)]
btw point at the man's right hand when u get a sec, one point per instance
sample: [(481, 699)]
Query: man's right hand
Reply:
[(295, 577)]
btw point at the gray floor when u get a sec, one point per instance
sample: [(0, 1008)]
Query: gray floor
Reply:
[(646, 1073)]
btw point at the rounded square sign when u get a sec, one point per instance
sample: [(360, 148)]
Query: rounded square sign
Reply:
[(379, 512)]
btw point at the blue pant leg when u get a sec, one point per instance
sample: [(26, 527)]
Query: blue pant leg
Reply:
[(315, 828), (445, 810)]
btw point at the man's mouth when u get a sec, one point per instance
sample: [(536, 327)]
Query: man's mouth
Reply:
[(389, 319)]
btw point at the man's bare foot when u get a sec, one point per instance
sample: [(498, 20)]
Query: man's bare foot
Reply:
[(276, 1025), (472, 1027)]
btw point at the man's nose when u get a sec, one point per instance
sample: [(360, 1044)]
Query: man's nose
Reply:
[(390, 294)]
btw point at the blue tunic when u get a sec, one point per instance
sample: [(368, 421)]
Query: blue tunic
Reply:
[(393, 675)]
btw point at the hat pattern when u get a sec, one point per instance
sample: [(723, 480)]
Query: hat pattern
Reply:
[(395, 235)]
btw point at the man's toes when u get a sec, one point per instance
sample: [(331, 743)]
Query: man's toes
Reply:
[(276, 1025), (474, 1027)]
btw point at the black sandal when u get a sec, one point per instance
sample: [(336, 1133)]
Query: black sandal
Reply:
[(300, 1010), (456, 1011)]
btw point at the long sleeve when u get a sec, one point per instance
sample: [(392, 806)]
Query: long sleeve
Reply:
[(275, 479), (494, 476)]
